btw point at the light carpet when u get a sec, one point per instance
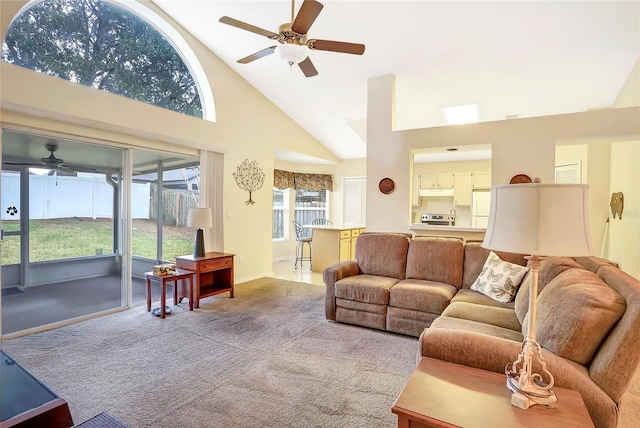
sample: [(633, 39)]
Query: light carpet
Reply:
[(266, 358)]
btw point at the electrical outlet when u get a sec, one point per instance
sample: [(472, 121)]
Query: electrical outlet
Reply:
[(241, 259)]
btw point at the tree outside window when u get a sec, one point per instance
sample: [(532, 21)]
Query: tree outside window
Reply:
[(101, 45)]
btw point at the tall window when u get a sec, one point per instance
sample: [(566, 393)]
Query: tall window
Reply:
[(101, 45), (280, 214), (311, 205), (354, 200)]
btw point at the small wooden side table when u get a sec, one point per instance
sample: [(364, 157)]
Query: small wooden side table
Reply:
[(180, 274), (444, 394)]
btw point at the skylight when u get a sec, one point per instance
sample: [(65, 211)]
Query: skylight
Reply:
[(458, 115)]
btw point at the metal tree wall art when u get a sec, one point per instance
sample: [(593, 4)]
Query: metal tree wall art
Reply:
[(250, 177)]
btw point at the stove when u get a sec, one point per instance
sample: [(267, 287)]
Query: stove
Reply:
[(438, 219)]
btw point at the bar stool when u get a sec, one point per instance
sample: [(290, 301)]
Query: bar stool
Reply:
[(180, 274), (302, 240)]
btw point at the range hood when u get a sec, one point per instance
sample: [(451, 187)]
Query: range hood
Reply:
[(436, 192)]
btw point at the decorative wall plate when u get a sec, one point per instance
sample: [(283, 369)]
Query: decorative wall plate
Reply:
[(520, 179), (386, 185)]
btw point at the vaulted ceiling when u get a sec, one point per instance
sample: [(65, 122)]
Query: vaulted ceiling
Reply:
[(512, 58)]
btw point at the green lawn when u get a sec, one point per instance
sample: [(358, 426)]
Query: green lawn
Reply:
[(78, 237)]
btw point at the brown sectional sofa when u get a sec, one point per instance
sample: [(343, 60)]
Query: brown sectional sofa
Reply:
[(588, 316)]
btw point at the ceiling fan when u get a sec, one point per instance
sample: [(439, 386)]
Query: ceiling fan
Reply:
[(292, 37), (52, 163)]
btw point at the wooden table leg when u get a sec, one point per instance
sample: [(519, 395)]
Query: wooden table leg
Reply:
[(175, 292), (190, 282), (148, 295), (163, 299)]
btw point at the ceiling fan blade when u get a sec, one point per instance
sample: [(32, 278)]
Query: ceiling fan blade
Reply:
[(333, 46), (248, 27), (257, 55), (307, 68), (307, 14)]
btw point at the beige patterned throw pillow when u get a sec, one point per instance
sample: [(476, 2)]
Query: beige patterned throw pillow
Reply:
[(499, 279)]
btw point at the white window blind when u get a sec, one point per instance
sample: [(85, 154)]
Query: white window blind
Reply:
[(568, 173)]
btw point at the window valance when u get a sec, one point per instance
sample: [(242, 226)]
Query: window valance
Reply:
[(300, 181)]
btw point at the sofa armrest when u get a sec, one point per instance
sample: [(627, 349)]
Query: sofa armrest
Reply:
[(330, 276)]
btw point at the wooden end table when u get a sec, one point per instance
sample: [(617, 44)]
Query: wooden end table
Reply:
[(180, 274), (444, 394), (213, 274)]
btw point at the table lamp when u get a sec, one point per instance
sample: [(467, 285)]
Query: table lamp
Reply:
[(540, 220), (199, 218)]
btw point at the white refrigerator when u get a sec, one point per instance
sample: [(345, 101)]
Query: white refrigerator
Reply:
[(480, 206)]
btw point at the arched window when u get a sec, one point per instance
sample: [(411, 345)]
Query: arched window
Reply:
[(100, 44)]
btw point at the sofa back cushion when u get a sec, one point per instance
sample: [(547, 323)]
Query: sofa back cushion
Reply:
[(436, 259), (575, 312), (549, 269), (382, 254), (475, 256)]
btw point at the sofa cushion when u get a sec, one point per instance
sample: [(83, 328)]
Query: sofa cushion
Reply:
[(475, 256), (425, 296), (471, 296), (436, 259), (365, 288), (499, 279), (575, 312), (382, 254), (476, 327), (500, 317), (549, 269)]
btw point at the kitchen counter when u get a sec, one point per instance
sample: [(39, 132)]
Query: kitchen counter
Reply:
[(332, 244), (467, 233)]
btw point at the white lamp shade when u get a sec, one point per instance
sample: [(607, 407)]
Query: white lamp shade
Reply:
[(539, 219), (199, 218), (292, 54)]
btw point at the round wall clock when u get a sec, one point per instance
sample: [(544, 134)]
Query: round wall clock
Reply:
[(386, 185)]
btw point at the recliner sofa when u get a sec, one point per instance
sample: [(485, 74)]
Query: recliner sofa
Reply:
[(588, 316)]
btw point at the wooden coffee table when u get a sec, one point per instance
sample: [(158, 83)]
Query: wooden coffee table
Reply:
[(443, 394)]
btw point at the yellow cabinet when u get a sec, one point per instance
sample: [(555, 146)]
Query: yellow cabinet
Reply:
[(333, 244)]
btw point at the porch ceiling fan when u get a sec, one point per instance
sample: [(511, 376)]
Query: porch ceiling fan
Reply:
[(52, 163), (292, 38)]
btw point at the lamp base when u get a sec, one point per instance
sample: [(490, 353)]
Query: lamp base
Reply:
[(524, 400), (198, 246)]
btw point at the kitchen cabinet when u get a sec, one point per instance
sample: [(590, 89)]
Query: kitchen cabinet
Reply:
[(416, 190), (436, 181), (332, 245), (462, 188), (481, 180)]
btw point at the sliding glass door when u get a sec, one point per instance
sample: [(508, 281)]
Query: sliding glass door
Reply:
[(61, 218)]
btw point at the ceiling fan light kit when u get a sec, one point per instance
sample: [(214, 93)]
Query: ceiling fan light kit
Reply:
[(291, 53), (293, 39)]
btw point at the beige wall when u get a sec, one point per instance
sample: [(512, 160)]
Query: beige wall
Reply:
[(519, 146), (253, 128), (625, 233)]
